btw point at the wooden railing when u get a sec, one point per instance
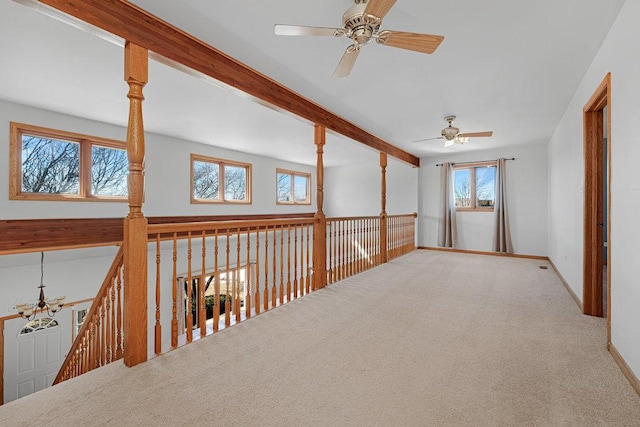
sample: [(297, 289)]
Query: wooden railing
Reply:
[(353, 246), (401, 235), (219, 273), (99, 340)]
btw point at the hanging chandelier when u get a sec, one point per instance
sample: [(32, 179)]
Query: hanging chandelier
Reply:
[(50, 306)]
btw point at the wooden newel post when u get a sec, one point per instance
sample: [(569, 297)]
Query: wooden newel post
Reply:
[(135, 224), (383, 212), (320, 221)]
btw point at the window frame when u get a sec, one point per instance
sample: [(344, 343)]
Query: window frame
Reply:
[(85, 143), (293, 174), (221, 182), (472, 178)]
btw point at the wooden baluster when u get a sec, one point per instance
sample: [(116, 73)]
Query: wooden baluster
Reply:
[(189, 321), (309, 279), (158, 327), (248, 278), (257, 275), (303, 270), (365, 244), (237, 281), (174, 295), (112, 333), (201, 285), (102, 349), (135, 224), (350, 245), (361, 245), (288, 262), (107, 326), (295, 261), (216, 285), (227, 299), (329, 252), (119, 337), (266, 268), (274, 286), (281, 265)]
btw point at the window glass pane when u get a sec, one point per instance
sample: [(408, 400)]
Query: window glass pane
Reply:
[(300, 188), (109, 170), (284, 187), (462, 187), (205, 180), (50, 166), (235, 182), (485, 187)]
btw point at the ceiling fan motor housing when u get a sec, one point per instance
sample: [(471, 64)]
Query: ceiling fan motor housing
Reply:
[(451, 131), (360, 27)]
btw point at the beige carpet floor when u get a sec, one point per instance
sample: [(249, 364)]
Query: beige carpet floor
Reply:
[(430, 339)]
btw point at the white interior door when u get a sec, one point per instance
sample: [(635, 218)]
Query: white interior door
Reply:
[(34, 352)]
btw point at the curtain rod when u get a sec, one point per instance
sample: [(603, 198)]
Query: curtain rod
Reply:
[(477, 161)]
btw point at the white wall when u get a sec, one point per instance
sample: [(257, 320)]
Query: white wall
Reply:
[(355, 189), (618, 55), (526, 199), (167, 184)]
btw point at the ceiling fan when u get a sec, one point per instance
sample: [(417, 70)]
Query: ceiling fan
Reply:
[(361, 23), (452, 135)]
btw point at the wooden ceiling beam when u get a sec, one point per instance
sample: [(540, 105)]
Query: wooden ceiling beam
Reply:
[(136, 25)]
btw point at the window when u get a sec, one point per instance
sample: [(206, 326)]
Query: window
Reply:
[(51, 164), (474, 186), (38, 325), (206, 175), (293, 187)]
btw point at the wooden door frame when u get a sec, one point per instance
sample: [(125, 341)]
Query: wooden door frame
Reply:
[(593, 202)]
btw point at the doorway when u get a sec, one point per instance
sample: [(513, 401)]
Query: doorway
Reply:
[(33, 353), (597, 202)]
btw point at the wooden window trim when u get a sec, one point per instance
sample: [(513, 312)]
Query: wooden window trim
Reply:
[(221, 184), (85, 142), (472, 167), (293, 174)]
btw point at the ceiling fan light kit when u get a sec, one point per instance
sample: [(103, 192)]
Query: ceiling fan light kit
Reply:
[(452, 135), (361, 23)]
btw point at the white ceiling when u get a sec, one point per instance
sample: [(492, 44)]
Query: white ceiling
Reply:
[(507, 66)]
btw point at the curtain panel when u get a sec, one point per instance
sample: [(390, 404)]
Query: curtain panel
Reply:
[(447, 230), (502, 236)]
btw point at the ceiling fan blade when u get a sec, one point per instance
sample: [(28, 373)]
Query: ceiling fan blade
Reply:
[(379, 8), (476, 134), (425, 43), (428, 139), (347, 62), (298, 30), (449, 143)]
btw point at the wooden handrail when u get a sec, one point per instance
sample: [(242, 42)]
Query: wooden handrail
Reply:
[(223, 225), (78, 347)]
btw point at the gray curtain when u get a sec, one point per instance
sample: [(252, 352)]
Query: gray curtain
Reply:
[(502, 236), (447, 231)]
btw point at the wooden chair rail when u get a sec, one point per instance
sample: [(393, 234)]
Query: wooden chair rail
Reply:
[(35, 235)]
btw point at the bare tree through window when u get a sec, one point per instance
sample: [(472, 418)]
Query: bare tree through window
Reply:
[(109, 170), (206, 178), (217, 180), (51, 165), (235, 183), (292, 187), (474, 187)]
